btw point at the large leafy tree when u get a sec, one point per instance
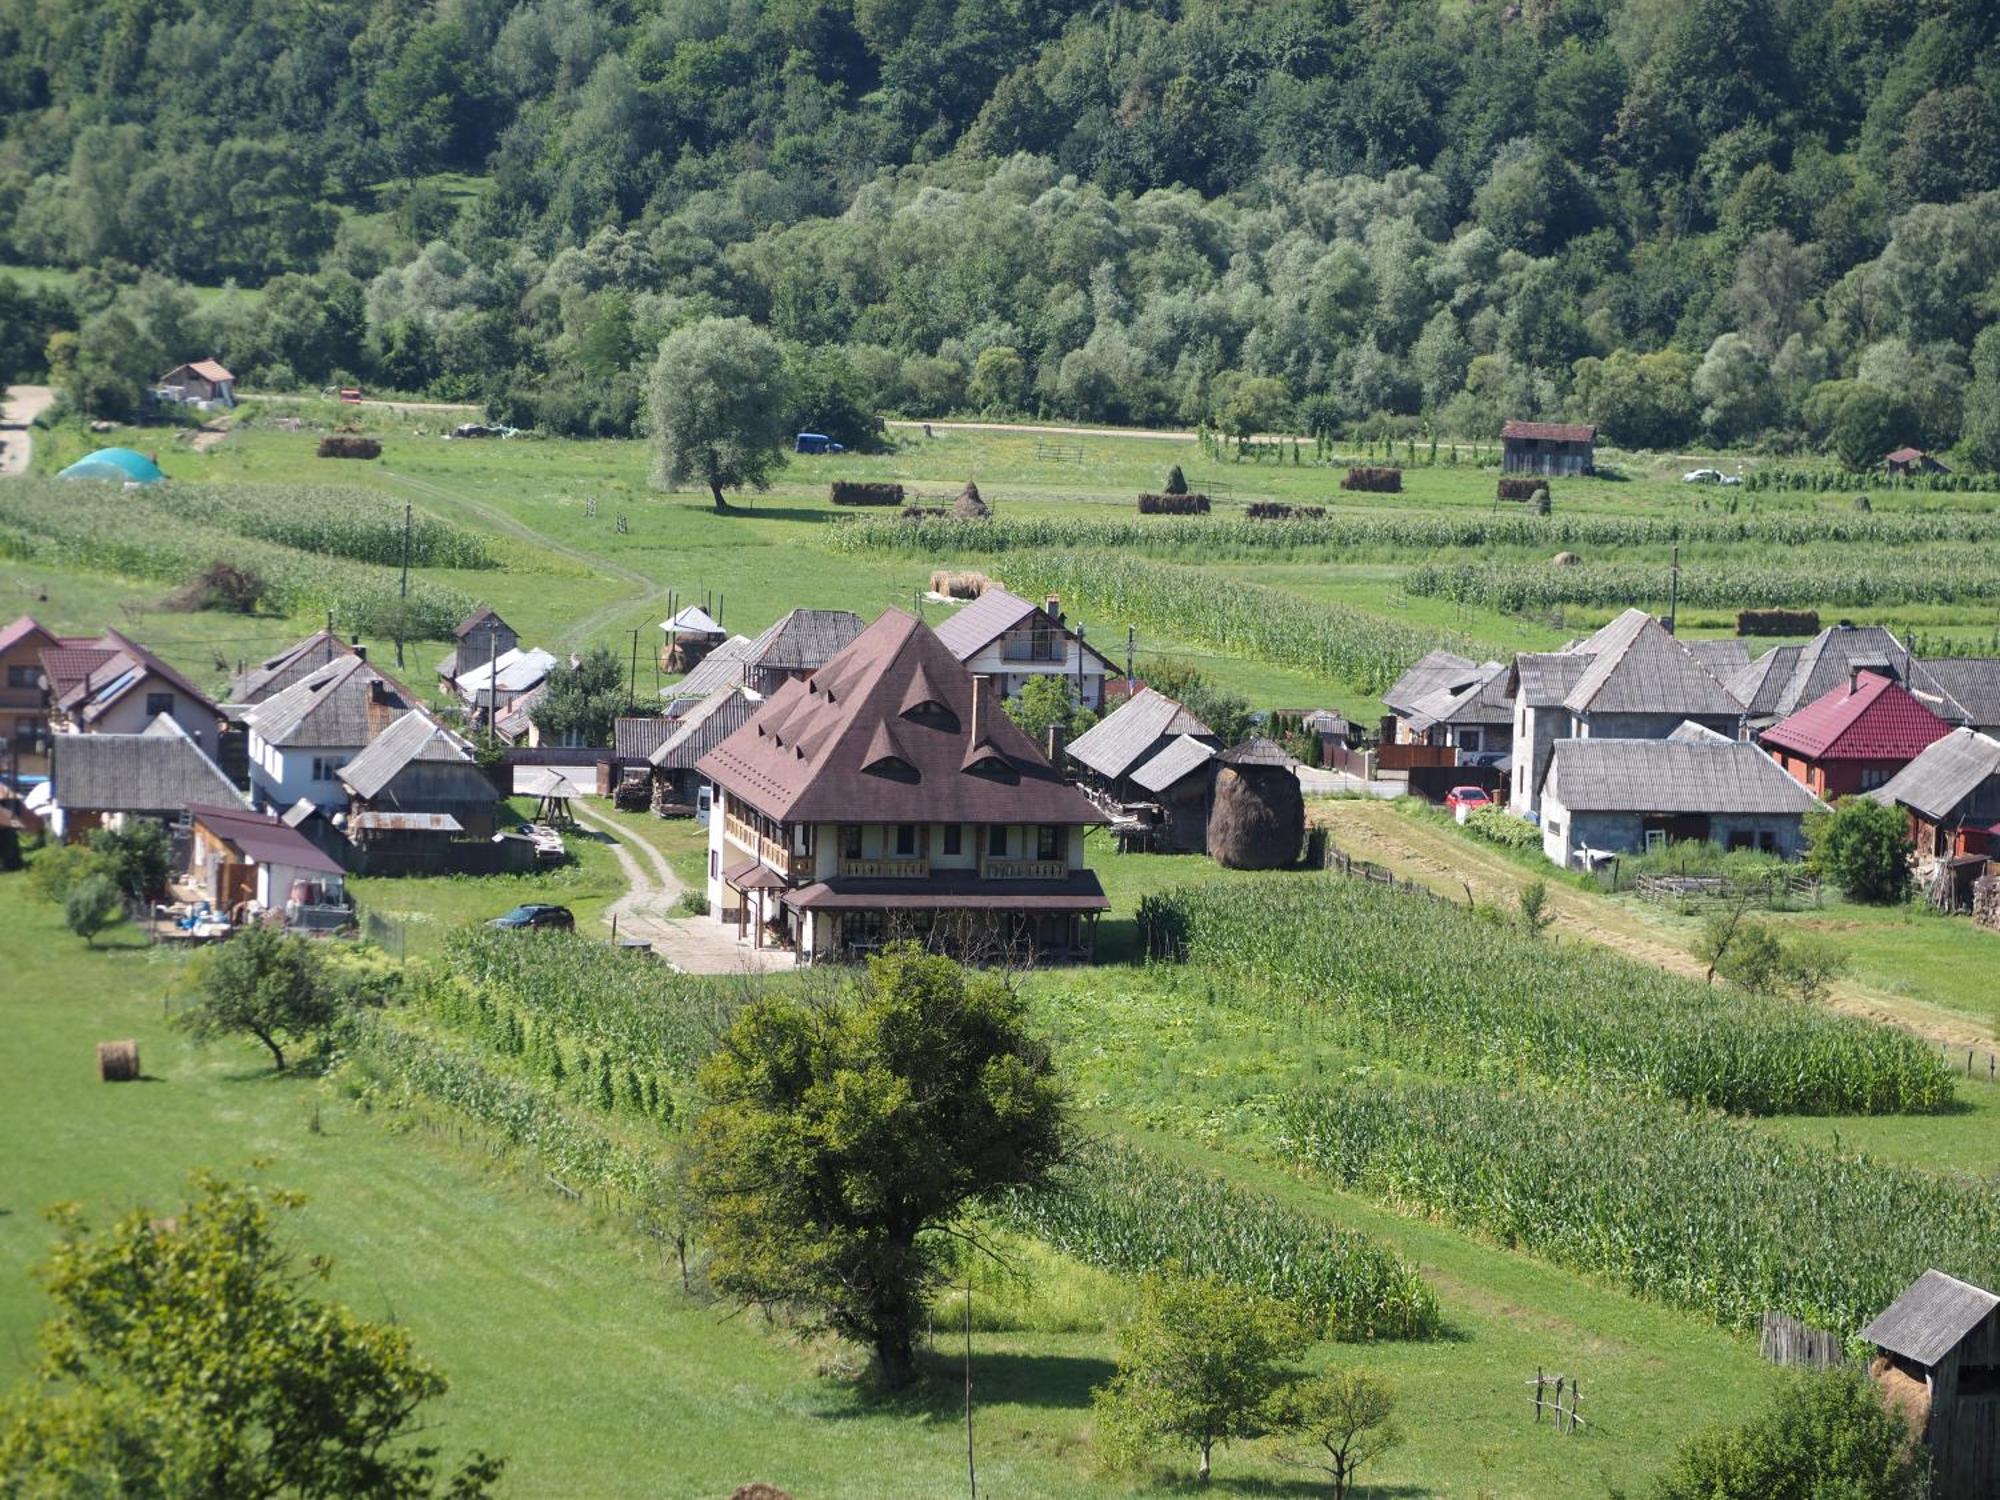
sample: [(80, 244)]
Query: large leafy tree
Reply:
[(717, 407), (263, 983), (583, 700), (188, 1357), (839, 1145), (1862, 846)]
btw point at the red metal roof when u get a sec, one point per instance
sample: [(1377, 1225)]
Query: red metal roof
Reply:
[(1873, 718), (262, 838), (1554, 432)]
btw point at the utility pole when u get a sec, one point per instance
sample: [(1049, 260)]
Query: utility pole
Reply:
[(492, 688), (632, 682), (404, 595), (1079, 663), (1131, 635), (971, 1474), (1674, 594)]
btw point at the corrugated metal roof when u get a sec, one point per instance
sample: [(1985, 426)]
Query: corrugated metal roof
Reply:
[(263, 838), (1930, 1319), (513, 671), (724, 665), (1873, 719), (1700, 773), (1177, 758), (1119, 741), (1948, 771), (694, 620)]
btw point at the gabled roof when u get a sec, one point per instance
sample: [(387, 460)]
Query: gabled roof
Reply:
[(1554, 432), (1546, 677), (804, 639), (513, 720), (26, 629), (803, 757), (160, 770), (1875, 718), (1485, 699), (1636, 667), (111, 667), (991, 615), (477, 618), (694, 620), (1948, 771), (705, 726), (1930, 1319), (1259, 751), (1786, 678), (1177, 759), (1700, 772), (1116, 744), (636, 737), (1903, 456), (415, 736), (513, 671), (1971, 683), (724, 665), (274, 674), (330, 706), (1430, 673), (262, 838), (207, 369)]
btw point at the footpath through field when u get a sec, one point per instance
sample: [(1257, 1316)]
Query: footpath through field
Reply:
[(1448, 863), (24, 404)]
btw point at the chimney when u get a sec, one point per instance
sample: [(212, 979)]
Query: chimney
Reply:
[(1054, 607), (979, 687), (361, 650), (1853, 679), (1057, 735)]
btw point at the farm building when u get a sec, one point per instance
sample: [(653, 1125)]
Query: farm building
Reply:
[(482, 637), (492, 689), (1623, 796), (1951, 792), (413, 794), (1121, 742), (202, 382), (791, 647), (691, 634), (1257, 820), (887, 795), (113, 685), (1937, 1361), (676, 782), (1180, 783), (237, 856), (1911, 461), (1008, 639), (107, 780), (1855, 738), (302, 736), (1631, 680), (274, 674), (1550, 448)]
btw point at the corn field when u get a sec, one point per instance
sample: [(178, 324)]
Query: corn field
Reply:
[(1247, 619), (1687, 1208), (149, 534), (1793, 581), (1437, 986), (359, 525), (1115, 1208)]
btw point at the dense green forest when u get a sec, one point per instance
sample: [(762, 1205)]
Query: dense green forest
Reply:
[(1733, 221)]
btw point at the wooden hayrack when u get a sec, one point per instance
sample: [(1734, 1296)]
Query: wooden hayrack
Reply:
[(1563, 1403)]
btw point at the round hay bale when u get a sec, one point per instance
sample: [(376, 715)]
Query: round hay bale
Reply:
[(758, 1491), (969, 506), (1566, 559), (118, 1062), (1258, 819)]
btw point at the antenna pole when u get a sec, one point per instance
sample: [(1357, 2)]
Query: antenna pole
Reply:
[(403, 593), (1674, 594)]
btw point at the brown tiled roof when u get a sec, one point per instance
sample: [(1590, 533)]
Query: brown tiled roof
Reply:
[(121, 665), (27, 626), (814, 754), (1553, 432), (66, 666), (261, 837)]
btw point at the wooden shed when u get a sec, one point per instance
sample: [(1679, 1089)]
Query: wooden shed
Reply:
[(1938, 1362), (1550, 448)]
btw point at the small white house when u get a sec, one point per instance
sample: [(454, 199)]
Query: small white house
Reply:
[(201, 383), (301, 737), (1008, 640)]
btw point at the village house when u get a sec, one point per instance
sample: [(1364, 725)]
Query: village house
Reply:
[(885, 796), (1445, 700), (1951, 792), (113, 685), (1549, 448), (677, 781), (202, 383), (489, 690), (1010, 640), (1113, 749), (1906, 461), (1937, 1363), (414, 793), (482, 637), (302, 736), (239, 858), (1787, 678), (24, 697), (1855, 738), (107, 780), (1624, 796), (1630, 680), (274, 674)]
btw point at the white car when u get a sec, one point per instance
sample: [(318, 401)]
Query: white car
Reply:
[(1710, 476)]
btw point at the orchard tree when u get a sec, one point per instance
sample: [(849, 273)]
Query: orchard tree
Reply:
[(1337, 1422), (90, 905), (187, 1356), (839, 1145), (263, 983), (1862, 846), (1824, 1434), (1046, 701), (583, 701), (717, 406)]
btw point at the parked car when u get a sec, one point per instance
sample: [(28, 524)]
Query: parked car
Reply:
[(1710, 476), (815, 442), (1462, 800), (537, 916)]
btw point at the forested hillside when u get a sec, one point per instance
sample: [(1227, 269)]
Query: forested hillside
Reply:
[(1732, 221)]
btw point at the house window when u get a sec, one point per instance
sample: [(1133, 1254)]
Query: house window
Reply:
[(711, 864), (1468, 739), (1048, 841), (906, 840), (24, 677), (159, 703), (325, 768), (996, 841), (954, 838), (27, 732), (850, 841), (1872, 777)]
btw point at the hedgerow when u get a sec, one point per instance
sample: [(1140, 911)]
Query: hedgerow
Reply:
[(1689, 1208), (1431, 983)]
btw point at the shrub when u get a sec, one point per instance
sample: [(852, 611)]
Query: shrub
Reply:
[(1519, 489), (1377, 480), (866, 492), (1862, 846), (1823, 1434), (1175, 504), (348, 445), (1498, 826), (1268, 510), (91, 905)]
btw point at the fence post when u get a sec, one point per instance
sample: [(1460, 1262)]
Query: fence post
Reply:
[(1538, 1395)]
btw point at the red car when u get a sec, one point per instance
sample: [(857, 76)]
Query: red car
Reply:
[(1463, 799)]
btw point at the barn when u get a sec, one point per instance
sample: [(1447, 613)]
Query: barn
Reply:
[(1548, 448), (1937, 1360)]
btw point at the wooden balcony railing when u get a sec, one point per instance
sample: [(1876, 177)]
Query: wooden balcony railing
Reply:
[(1023, 869), (771, 851), (887, 869)]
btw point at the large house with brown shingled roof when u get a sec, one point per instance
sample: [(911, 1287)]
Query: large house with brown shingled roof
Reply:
[(113, 685), (887, 796)]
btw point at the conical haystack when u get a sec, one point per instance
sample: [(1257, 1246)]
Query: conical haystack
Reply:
[(1258, 818), (969, 506)]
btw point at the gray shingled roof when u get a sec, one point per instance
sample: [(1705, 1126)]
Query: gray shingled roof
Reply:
[(1485, 700), (328, 706), (805, 639), (705, 726), (274, 674), (159, 771), (416, 736), (1637, 668), (1122, 738), (1787, 678), (1725, 656), (1948, 771), (1178, 758), (1429, 673), (636, 738), (1547, 676), (992, 614), (1930, 1319), (1259, 751), (724, 665), (1702, 773), (1973, 681)]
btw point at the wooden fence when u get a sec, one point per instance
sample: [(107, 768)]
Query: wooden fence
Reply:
[(1059, 453), (1395, 757), (1551, 1397), (1693, 892), (1787, 1341)]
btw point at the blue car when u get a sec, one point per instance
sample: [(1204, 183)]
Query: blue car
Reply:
[(816, 442)]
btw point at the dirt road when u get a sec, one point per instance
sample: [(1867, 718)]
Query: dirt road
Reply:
[(24, 404), (695, 945), (1448, 864)]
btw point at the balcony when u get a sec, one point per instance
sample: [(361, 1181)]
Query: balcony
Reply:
[(887, 869), (771, 852), (17, 698), (1023, 869)]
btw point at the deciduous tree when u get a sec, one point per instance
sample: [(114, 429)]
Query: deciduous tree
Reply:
[(717, 407), (263, 983)]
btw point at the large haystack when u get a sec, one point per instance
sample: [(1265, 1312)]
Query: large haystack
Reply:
[(969, 506), (1258, 819)]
